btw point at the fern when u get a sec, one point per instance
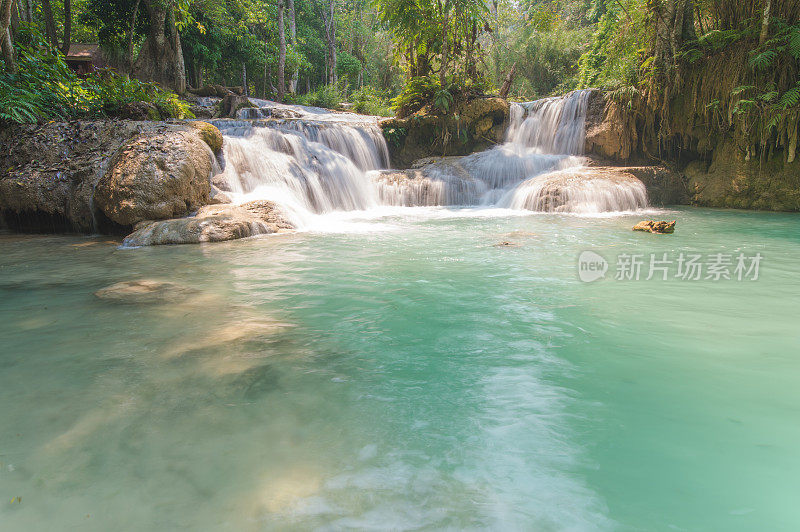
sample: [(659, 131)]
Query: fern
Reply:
[(794, 42), (763, 60), (790, 98)]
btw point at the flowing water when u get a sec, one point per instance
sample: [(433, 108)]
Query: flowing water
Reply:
[(406, 374), (405, 368), (317, 162)]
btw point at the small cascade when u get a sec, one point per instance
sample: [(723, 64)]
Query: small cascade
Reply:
[(307, 167), (552, 125), (540, 167), (581, 190), (314, 161)]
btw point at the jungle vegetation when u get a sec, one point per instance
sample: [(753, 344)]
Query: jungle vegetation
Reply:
[(672, 65)]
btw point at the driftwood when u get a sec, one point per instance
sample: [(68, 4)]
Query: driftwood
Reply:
[(508, 81)]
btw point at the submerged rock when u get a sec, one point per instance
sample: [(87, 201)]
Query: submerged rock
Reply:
[(212, 223), (145, 291), (655, 227)]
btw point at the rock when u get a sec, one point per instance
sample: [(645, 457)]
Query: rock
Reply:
[(665, 186), (609, 132), (212, 90), (212, 223), (221, 182), (156, 176), (655, 227), (139, 111), (210, 135), (470, 126), (506, 244), (731, 180), (218, 197), (233, 102), (145, 291), (48, 173)]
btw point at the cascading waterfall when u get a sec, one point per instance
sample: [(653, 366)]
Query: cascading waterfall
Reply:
[(544, 145), (312, 161)]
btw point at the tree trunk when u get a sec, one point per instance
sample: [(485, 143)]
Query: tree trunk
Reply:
[(281, 52), (161, 57), (508, 81), (266, 61), (49, 24), (14, 21), (293, 37), (765, 23), (330, 38), (244, 79), (7, 45), (67, 27), (445, 12), (131, 35)]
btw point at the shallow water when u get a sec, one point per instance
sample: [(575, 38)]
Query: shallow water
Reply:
[(405, 373)]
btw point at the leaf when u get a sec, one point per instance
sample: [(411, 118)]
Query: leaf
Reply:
[(763, 60)]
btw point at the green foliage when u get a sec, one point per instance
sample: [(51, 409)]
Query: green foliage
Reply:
[(45, 88), (617, 54), (416, 93), (327, 96), (442, 100), (370, 101)]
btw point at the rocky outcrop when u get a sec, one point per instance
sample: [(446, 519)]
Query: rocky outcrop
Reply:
[(156, 176), (649, 226), (470, 126), (711, 169), (609, 134), (232, 103), (213, 223), (665, 186), (730, 180), (103, 176)]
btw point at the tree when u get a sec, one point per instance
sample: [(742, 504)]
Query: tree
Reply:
[(293, 40), (161, 56), (765, 22), (6, 42), (329, 23), (281, 52)]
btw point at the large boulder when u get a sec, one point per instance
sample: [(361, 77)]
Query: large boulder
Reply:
[(213, 223), (49, 173), (156, 176), (470, 126)]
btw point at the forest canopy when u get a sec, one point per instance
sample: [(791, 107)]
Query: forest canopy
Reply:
[(388, 55)]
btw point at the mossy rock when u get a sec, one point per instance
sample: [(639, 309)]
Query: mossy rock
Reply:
[(210, 135), (470, 126)]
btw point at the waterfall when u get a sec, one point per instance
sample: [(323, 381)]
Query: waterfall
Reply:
[(314, 161), (552, 125), (308, 167), (579, 190), (540, 167)]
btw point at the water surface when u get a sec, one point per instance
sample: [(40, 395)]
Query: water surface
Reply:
[(405, 373)]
